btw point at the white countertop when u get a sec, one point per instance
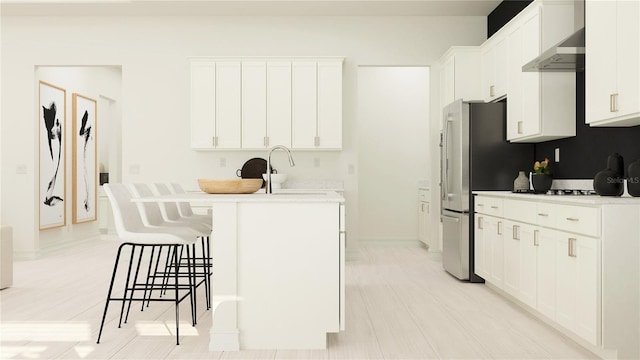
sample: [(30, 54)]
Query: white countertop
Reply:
[(307, 196), (575, 199)]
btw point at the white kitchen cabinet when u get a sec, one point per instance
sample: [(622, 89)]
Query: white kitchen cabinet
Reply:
[(494, 68), (460, 75), (216, 98), (546, 272), (329, 105), (424, 221), (494, 240), (254, 104), (612, 86), (480, 261), (317, 104), (534, 115), (278, 103), (577, 286), (512, 258)]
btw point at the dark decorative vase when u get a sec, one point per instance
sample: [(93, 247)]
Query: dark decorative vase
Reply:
[(610, 181), (633, 178), (541, 183)]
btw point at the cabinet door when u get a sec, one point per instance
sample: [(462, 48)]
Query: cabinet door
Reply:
[(628, 50), (512, 258), (528, 264), (304, 111), (497, 252), (254, 104), (329, 105), (447, 82), (600, 60), (500, 68), (577, 288), (279, 103), (546, 272), (530, 81), (488, 74), (228, 104), (480, 265), (203, 106), (515, 115)]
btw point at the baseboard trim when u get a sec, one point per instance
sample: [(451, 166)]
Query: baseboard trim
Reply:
[(32, 255)]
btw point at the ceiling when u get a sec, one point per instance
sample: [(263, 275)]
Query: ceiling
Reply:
[(250, 7)]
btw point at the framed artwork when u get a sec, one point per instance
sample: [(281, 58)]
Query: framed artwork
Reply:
[(85, 170), (52, 113)]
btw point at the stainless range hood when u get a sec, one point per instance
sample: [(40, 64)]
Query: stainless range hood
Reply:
[(568, 54)]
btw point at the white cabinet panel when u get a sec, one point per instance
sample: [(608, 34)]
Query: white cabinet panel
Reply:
[(612, 89), (279, 103), (480, 263), (304, 107), (527, 236), (460, 75), (496, 236), (512, 258), (494, 67), (203, 109), (228, 104), (254, 104), (546, 272), (329, 105)]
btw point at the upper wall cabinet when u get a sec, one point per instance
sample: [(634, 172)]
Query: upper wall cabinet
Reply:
[(494, 67), (250, 103), (460, 75), (612, 63), (541, 105)]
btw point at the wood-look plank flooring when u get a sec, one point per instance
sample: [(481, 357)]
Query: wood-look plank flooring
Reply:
[(400, 305)]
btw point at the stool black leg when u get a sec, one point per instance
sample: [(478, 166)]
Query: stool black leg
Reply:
[(175, 252), (106, 306), (135, 283), (126, 286)]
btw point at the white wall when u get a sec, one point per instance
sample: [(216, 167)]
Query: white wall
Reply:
[(393, 156), (153, 53)]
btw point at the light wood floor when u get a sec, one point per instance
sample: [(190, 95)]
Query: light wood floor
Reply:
[(400, 305)]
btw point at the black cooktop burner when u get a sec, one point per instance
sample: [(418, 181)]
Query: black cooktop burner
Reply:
[(576, 192)]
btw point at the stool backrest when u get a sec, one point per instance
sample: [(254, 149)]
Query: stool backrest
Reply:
[(170, 208), (184, 207), (150, 211), (126, 216)]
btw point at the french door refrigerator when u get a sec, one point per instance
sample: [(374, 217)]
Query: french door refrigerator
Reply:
[(475, 156)]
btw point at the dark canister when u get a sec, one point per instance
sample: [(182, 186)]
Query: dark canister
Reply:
[(633, 178), (610, 181)]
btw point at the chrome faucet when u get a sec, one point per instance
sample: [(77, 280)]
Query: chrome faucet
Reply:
[(291, 162)]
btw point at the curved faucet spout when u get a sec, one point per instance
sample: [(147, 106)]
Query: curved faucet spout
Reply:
[(268, 189)]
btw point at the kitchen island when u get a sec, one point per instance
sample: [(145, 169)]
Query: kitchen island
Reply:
[(278, 268)]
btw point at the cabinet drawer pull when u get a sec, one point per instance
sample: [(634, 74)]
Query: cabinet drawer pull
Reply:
[(480, 205), (535, 238), (613, 102), (499, 227), (491, 90), (543, 214), (519, 127), (573, 219), (480, 223), (494, 207), (516, 232), (572, 247)]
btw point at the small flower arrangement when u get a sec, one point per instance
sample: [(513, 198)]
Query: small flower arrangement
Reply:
[(542, 167)]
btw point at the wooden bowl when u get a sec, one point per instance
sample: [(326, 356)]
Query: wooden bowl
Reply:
[(232, 186)]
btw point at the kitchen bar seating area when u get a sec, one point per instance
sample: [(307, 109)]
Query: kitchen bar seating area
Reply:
[(154, 272)]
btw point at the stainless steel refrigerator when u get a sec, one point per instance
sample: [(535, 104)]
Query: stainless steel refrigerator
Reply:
[(474, 156)]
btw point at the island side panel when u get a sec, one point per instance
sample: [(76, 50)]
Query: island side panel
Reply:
[(224, 328), (288, 274)]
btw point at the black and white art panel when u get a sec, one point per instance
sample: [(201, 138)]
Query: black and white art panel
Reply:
[(84, 159), (52, 182)]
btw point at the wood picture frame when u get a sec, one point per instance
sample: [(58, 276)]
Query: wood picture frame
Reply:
[(84, 163), (52, 114)]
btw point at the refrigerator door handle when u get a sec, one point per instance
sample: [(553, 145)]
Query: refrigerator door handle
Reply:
[(456, 219), (445, 143)]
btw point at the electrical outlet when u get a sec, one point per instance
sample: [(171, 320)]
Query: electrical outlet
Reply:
[(557, 154)]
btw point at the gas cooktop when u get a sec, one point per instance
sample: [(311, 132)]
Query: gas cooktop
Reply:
[(562, 192)]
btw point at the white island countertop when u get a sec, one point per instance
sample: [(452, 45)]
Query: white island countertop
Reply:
[(575, 199), (301, 196)]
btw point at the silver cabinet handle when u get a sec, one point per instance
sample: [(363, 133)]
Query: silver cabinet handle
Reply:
[(480, 205), (481, 223), (573, 219), (494, 207), (215, 141), (491, 90), (543, 214), (519, 127), (265, 141), (535, 238), (316, 141), (572, 247), (499, 227), (613, 102), (516, 232)]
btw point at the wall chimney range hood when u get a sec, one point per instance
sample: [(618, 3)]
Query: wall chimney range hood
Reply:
[(568, 54)]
